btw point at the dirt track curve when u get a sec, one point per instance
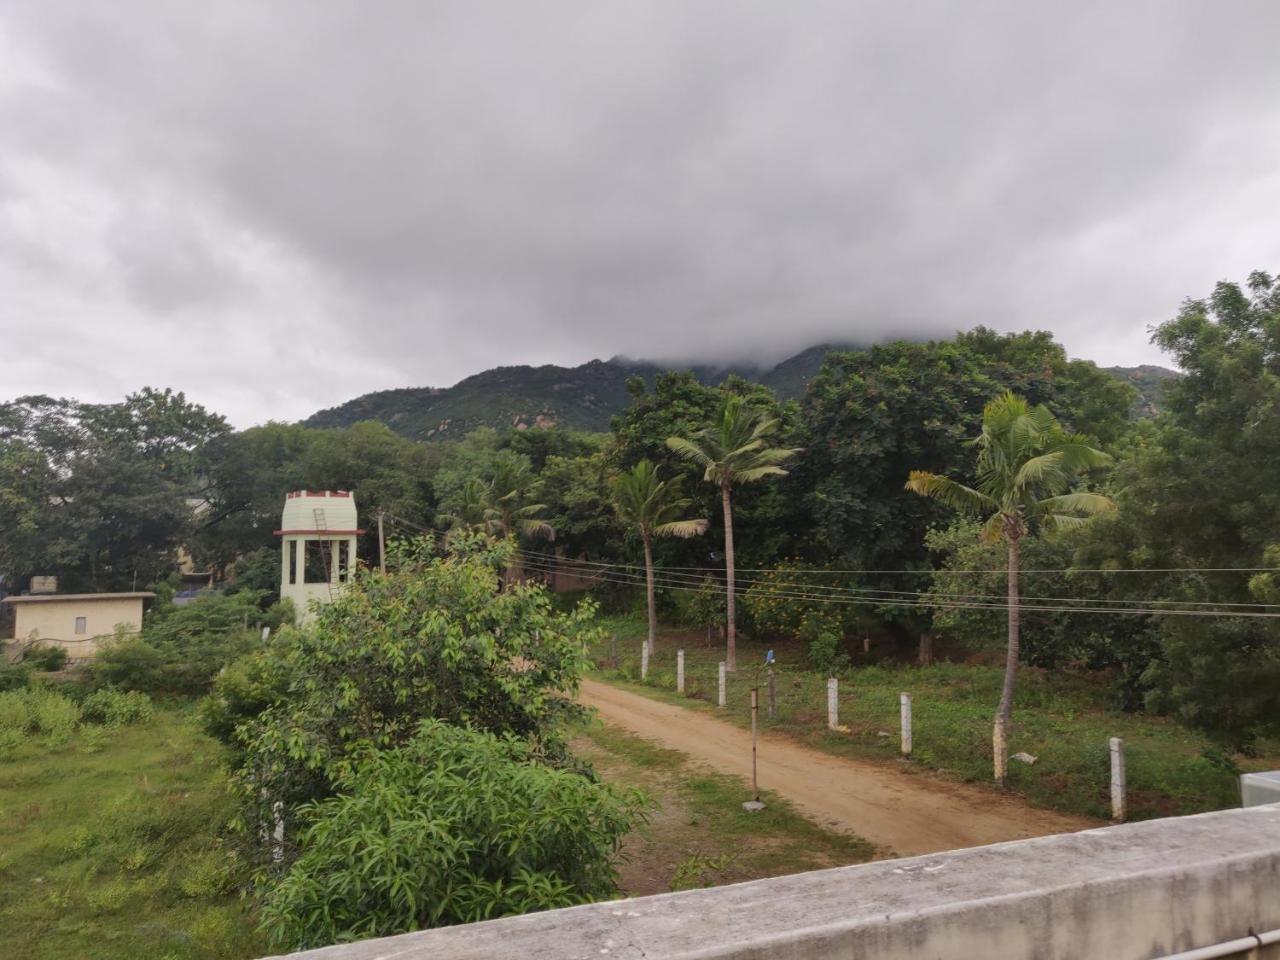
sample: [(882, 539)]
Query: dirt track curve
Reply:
[(900, 812)]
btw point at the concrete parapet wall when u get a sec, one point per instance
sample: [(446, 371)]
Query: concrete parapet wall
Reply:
[(1131, 892)]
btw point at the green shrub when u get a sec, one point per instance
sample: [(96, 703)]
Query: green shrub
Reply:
[(430, 639), (14, 676), (129, 662), (453, 827), (826, 653), (15, 712), (116, 708), (52, 714), (48, 659), (781, 603)]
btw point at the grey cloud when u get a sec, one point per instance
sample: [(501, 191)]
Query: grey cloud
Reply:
[(433, 188)]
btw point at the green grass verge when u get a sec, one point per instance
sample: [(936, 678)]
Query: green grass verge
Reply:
[(769, 842), (1062, 719), (110, 847)]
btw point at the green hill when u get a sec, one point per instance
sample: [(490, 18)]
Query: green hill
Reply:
[(587, 396), (1150, 382)]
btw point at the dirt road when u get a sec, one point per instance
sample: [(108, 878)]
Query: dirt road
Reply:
[(900, 812)]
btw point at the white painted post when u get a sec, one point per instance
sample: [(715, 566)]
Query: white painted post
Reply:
[(1118, 811), (266, 634), (722, 701), (905, 700), (833, 704), (644, 660), (679, 671)]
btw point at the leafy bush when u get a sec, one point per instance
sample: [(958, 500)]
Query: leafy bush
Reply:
[(14, 676), (129, 662), (116, 708), (454, 826), (433, 638), (46, 658), (781, 603), (246, 688), (182, 648), (51, 714), (15, 711), (826, 654)]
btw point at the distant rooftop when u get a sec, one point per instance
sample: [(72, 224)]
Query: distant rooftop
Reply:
[(59, 597)]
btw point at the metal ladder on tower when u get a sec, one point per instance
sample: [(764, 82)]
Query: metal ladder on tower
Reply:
[(327, 548)]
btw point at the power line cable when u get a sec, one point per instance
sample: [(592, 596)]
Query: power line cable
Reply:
[(889, 596), (625, 579)]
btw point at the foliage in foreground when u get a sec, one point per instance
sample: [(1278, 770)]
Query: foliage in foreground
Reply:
[(432, 639), (454, 826)]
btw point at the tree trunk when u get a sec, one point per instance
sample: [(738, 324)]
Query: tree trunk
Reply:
[(731, 653), (925, 656), (648, 576), (1004, 714)]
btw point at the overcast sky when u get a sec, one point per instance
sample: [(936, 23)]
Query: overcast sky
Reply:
[(276, 206)]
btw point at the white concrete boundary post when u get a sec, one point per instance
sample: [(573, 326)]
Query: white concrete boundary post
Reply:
[(1118, 805), (266, 634), (721, 701), (905, 700), (833, 704), (644, 660), (679, 671)]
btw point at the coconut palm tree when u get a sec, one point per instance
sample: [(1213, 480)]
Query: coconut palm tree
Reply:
[(653, 507), (1027, 465), (732, 451), (507, 509)]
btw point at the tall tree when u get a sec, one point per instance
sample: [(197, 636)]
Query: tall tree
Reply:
[(510, 507), (1026, 466), (732, 451), (655, 508)]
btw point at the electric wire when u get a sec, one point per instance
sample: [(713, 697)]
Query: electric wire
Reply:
[(890, 596), (638, 580)]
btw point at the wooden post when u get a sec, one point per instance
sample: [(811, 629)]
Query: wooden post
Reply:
[(833, 704), (721, 701), (866, 644), (755, 710), (644, 660), (1118, 811), (905, 701), (382, 546), (613, 650), (773, 697), (679, 671)]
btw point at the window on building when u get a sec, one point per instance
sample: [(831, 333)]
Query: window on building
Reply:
[(293, 561), (82, 624)]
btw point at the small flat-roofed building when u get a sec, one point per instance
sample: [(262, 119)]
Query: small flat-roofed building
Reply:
[(77, 622)]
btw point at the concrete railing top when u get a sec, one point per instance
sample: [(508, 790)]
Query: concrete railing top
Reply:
[(1135, 891)]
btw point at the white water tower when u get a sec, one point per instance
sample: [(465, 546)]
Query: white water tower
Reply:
[(318, 547)]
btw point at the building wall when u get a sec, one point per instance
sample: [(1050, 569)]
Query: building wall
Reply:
[(54, 622)]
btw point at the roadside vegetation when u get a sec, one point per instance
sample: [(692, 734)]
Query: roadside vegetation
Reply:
[(113, 833), (1064, 720)]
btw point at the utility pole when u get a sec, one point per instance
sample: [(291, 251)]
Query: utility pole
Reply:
[(382, 546)]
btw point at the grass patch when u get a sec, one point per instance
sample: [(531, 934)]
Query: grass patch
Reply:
[(1063, 719), (110, 846), (701, 836)]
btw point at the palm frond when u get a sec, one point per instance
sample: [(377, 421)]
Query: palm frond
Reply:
[(681, 528), (688, 450), (752, 474), (946, 490), (1078, 504)]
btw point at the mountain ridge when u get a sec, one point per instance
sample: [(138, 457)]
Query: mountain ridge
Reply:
[(587, 396)]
